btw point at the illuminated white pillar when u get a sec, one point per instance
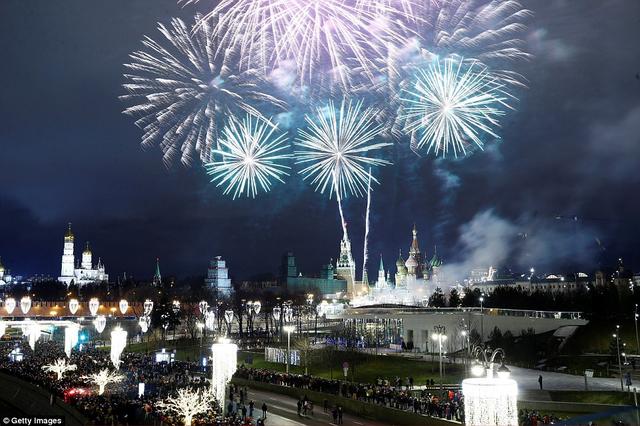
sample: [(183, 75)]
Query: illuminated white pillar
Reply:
[(490, 401), (70, 338), (118, 343), (33, 331), (224, 363)]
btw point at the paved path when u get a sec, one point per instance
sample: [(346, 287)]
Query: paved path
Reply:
[(528, 379), (282, 411)]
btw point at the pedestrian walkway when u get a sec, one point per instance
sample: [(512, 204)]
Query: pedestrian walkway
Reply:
[(528, 379)]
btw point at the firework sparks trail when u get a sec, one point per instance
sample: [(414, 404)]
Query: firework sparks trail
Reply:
[(334, 38), (335, 146), (251, 156), (452, 106), (366, 229), (343, 222), (181, 91)]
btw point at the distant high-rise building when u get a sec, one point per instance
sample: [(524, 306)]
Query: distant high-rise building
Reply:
[(288, 267), (218, 276)]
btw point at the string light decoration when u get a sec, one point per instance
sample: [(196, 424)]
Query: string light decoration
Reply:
[(118, 343), (9, 305), (489, 400), (59, 367), (70, 338), (100, 323), (33, 330), (186, 403), (94, 304), (103, 378), (25, 304), (123, 305), (73, 306), (224, 356)]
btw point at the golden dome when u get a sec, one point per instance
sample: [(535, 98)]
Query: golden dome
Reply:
[(69, 234)]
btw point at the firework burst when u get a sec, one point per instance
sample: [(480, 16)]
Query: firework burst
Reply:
[(181, 91), (331, 41), (480, 32), (335, 146), (452, 106), (251, 157)]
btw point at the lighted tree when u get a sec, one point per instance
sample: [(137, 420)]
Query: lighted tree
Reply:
[(103, 378), (59, 367), (187, 403)]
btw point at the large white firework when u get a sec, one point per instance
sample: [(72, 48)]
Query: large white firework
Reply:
[(181, 90), (251, 156), (336, 148), (334, 41), (452, 105), (487, 32)]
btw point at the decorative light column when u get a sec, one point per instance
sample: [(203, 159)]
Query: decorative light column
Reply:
[(224, 362), (118, 343), (489, 400), (289, 329), (70, 338)]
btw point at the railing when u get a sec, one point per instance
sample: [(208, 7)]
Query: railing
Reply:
[(487, 311)]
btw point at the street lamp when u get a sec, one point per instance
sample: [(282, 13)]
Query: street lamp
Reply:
[(482, 319), (289, 329), (439, 336), (635, 320), (616, 336)]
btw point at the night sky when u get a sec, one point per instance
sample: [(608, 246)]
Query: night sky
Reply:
[(69, 154)]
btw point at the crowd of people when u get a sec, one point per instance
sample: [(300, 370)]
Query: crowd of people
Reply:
[(121, 403), (447, 404), (534, 418)]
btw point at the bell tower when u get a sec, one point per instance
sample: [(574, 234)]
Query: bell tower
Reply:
[(68, 260)]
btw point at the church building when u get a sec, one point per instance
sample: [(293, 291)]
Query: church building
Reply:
[(81, 273)]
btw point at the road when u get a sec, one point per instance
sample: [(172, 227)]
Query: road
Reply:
[(282, 411)]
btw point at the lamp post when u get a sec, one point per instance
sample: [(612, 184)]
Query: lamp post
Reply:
[(439, 336), (616, 335), (289, 329), (490, 400), (465, 342), (635, 320), (481, 319), (200, 326)]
